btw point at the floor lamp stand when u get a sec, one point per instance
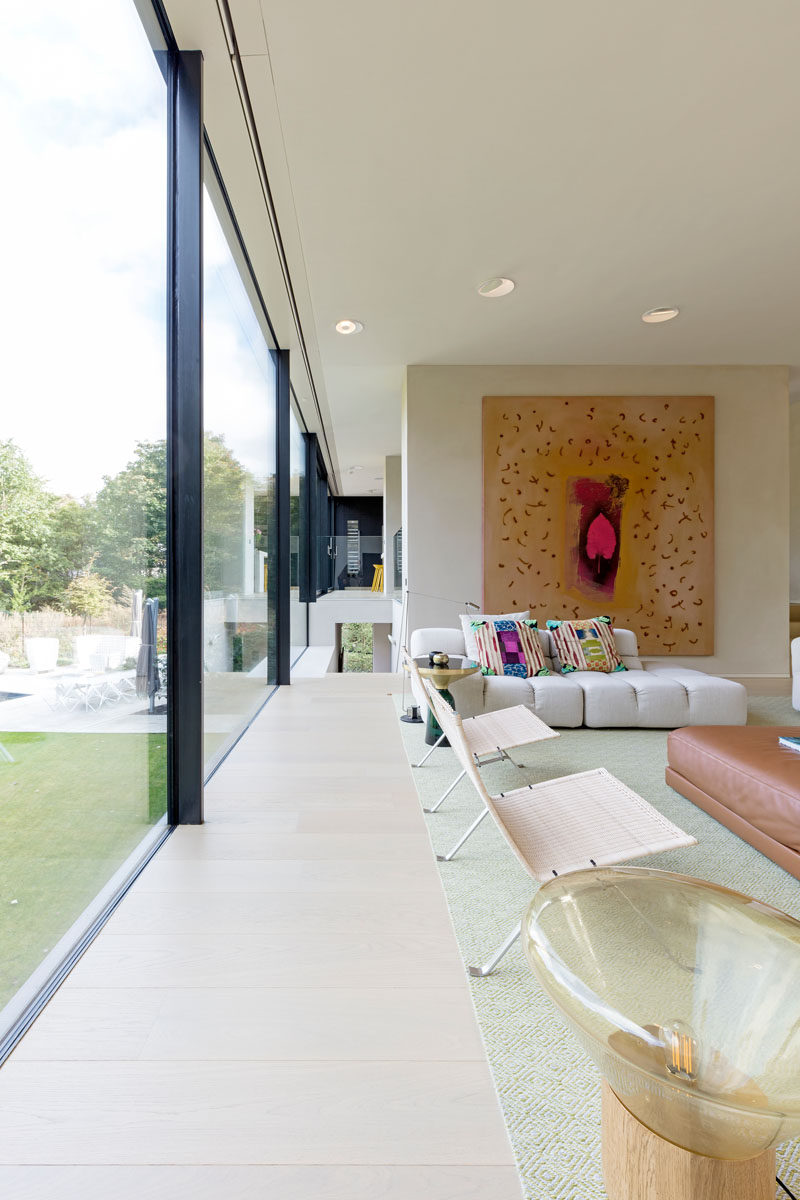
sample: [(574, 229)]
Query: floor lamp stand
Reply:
[(640, 1165)]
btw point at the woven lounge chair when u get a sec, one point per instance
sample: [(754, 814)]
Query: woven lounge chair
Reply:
[(489, 736), (590, 819)]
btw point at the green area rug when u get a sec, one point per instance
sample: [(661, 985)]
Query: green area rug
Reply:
[(549, 1089), (73, 806)]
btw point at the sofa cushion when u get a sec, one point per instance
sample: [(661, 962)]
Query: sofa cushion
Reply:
[(710, 700), (555, 699), (423, 641), (628, 648), (632, 699), (468, 695), (466, 619), (501, 691), (586, 645), (509, 648)]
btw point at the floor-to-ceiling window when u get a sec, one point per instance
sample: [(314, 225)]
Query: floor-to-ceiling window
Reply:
[(323, 534), (83, 557), (298, 536), (239, 514)]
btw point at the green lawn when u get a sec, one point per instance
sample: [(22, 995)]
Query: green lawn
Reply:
[(73, 806)]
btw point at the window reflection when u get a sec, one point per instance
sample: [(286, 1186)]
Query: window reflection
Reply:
[(82, 471), (298, 537), (239, 507)]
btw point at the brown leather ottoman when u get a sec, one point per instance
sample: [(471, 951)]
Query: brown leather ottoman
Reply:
[(744, 779)]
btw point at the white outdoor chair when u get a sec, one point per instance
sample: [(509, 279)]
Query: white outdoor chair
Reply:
[(489, 736), (88, 692), (120, 687), (590, 819)]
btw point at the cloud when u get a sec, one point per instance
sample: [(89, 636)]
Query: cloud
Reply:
[(83, 215)]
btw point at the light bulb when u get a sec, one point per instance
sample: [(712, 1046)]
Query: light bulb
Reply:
[(681, 1050)]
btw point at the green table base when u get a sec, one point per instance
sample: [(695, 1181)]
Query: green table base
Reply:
[(432, 729)]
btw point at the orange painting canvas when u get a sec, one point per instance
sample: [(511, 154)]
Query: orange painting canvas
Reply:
[(599, 505)]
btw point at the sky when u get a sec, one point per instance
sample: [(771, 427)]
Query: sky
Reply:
[(83, 220)]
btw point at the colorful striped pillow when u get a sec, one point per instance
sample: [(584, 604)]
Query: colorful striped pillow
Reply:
[(467, 619), (586, 645), (509, 648)]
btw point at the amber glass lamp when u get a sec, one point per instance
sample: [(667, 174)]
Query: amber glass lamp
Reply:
[(687, 997)]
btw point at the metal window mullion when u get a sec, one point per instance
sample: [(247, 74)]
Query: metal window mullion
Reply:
[(306, 592), (313, 517), (185, 441)]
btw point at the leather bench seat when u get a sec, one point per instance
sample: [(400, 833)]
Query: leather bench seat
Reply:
[(744, 779)]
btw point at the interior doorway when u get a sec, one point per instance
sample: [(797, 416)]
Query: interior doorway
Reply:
[(363, 647)]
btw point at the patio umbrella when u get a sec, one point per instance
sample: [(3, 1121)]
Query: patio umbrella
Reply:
[(147, 680), (136, 614)]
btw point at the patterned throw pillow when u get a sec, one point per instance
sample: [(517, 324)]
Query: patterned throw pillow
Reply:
[(509, 648), (467, 620), (586, 645)]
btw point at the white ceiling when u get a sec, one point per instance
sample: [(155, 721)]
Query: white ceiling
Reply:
[(609, 158)]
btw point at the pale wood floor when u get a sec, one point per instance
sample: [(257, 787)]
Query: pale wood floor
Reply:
[(278, 1008)]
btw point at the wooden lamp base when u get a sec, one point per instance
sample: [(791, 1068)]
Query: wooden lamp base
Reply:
[(640, 1165)]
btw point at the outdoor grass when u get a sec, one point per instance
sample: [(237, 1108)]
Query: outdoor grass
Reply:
[(73, 806)]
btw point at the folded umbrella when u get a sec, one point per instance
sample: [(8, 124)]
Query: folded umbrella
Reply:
[(147, 678)]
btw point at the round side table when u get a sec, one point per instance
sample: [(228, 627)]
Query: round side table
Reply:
[(441, 678)]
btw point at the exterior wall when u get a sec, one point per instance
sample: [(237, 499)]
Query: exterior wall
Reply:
[(443, 503)]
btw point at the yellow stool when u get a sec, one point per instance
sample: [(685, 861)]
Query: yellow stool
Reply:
[(377, 578)]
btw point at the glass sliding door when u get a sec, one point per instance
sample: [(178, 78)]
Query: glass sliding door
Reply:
[(239, 509), (298, 536), (325, 542), (83, 753)]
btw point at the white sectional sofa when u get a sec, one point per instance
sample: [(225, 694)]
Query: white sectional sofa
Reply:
[(647, 697), (795, 647)]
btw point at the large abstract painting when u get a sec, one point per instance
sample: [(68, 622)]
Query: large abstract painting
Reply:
[(603, 504)]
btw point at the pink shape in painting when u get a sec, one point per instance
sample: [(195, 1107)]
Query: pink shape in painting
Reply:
[(601, 540), (594, 516)]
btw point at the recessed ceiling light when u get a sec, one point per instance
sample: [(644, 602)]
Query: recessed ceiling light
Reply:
[(496, 287), (654, 316), (347, 326), (352, 470)]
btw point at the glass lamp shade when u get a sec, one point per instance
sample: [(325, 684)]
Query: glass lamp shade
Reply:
[(685, 994)]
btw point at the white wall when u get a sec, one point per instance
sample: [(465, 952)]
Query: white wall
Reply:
[(443, 503), (381, 647), (392, 517), (794, 472), (337, 607)]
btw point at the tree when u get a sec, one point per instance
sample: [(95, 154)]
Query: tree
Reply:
[(89, 595), (26, 545), (223, 516), (70, 545), (357, 646), (21, 595), (131, 521)]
